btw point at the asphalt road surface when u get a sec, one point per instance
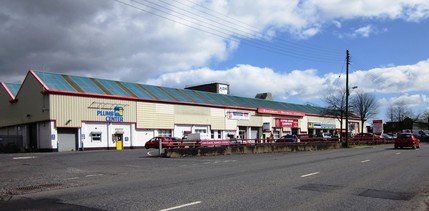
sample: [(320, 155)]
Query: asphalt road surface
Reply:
[(364, 178)]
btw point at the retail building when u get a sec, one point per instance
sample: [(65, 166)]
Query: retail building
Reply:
[(58, 112)]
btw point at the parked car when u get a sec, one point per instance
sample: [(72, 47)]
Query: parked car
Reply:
[(407, 140), (288, 138), (387, 136), (326, 135), (367, 137), (167, 142)]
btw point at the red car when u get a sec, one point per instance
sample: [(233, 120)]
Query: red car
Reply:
[(167, 142), (407, 140)]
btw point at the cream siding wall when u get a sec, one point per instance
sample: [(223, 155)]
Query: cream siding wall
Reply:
[(218, 119), (192, 115), (254, 121), (4, 107), (165, 116), (28, 108), (70, 111), (152, 115)]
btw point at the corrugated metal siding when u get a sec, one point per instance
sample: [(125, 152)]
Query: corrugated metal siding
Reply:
[(28, 108), (77, 109), (218, 120), (254, 121), (192, 115), (231, 125), (150, 115)]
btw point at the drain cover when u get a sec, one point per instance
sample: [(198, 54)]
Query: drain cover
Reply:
[(37, 187), (387, 195)]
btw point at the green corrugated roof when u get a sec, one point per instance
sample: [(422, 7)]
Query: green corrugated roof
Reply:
[(13, 88), (61, 82)]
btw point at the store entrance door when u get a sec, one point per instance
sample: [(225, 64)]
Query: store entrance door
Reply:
[(118, 139)]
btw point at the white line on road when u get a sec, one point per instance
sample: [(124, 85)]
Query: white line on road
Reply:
[(149, 153), (94, 175), (398, 153), (364, 161), (72, 178), (22, 158), (180, 206), (311, 174)]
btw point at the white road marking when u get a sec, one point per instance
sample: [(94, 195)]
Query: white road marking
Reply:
[(149, 153), (93, 175), (72, 178), (311, 174), (22, 158), (364, 161), (398, 153), (181, 206)]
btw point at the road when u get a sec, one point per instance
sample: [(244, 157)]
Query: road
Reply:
[(364, 178)]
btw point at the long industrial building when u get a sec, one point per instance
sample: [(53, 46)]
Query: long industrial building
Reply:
[(58, 112)]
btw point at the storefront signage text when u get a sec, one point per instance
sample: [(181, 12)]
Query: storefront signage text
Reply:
[(291, 123), (115, 115), (318, 125), (237, 115), (280, 112)]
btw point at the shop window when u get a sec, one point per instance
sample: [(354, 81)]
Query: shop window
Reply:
[(216, 134), (200, 131), (166, 133), (96, 136)]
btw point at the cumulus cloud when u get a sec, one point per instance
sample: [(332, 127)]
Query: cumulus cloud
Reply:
[(364, 31), (247, 80), (307, 85), (137, 40), (393, 79), (413, 100)]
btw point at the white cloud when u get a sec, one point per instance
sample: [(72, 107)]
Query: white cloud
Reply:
[(108, 39), (306, 85), (246, 80), (394, 79), (364, 31), (413, 100)]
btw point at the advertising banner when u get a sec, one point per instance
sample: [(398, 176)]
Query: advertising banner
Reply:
[(377, 126)]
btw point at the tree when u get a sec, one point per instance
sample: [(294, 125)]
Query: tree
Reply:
[(336, 106), (398, 112), (424, 117), (364, 105)]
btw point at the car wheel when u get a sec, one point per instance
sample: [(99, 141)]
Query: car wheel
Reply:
[(396, 147), (414, 146)]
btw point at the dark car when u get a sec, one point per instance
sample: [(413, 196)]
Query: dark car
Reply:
[(387, 136), (407, 140), (288, 138), (167, 142)]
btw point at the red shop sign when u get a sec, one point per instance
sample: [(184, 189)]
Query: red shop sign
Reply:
[(292, 123)]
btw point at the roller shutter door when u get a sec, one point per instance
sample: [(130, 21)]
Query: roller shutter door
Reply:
[(67, 140)]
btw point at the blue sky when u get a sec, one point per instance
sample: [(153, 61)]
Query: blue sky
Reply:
[(294, 49)]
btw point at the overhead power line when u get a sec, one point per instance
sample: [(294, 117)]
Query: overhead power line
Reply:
[(237, 32)]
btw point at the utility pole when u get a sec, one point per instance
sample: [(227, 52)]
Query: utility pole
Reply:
[(347, 97)]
